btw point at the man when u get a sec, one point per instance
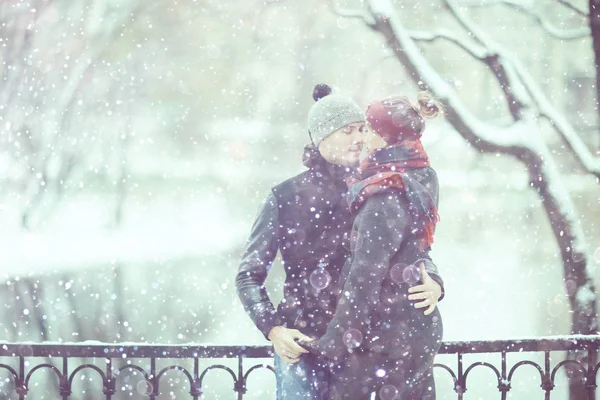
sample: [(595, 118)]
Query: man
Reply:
[(307, 219)]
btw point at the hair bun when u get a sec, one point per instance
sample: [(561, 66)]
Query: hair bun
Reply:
[(429, 106), (320, 91)]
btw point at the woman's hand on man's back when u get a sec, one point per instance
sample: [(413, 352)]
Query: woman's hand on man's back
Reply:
[(428, 292)]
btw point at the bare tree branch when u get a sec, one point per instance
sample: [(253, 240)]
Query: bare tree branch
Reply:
[(477, 52), (568, 34), (520, 78), (486, 3), (594, 23), (492, 60), (470, 27), (360, 14), (503, 73), (530, 149), (573, 7), (582, 153)]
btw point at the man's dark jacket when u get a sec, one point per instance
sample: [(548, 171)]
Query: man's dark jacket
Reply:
[(306, 218)]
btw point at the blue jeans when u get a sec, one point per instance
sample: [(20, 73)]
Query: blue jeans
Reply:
[(304, 380)]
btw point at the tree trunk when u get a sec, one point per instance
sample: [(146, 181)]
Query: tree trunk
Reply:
[(543, 173), (595, 28)]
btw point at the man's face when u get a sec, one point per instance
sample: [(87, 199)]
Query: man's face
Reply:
[(343, 147)]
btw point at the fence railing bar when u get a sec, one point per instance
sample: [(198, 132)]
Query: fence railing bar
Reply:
[(32, 356)]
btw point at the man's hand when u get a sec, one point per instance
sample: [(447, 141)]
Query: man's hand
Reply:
[(430, 291), (285, 345)]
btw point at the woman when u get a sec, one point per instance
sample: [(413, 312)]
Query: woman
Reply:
[(380, 343)]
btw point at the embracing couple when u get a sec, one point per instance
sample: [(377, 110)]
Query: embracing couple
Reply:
[(358, 319)]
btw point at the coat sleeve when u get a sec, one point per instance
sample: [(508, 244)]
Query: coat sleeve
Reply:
[(259, 253), (380, 229), (433, 187)]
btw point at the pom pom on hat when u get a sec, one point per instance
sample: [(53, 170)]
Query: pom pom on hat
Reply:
[(321, 90)]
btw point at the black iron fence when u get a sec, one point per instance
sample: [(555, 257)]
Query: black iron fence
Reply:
[(21, 361)]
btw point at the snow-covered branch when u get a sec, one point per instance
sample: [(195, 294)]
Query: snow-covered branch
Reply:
[(346, 13), (516, 98), (565, 129), (477, 52), (469, 26), (521, 80), (523, 140), (503, 73), (573, 7), (536, 14), (483, 136), (487, 3)]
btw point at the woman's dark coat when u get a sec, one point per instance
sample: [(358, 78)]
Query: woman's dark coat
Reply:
[(377, 341)]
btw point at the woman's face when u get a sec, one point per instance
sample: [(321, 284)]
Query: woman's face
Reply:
[(372, 141), (343, 147)]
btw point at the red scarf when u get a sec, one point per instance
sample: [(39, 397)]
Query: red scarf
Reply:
[(384, 170)]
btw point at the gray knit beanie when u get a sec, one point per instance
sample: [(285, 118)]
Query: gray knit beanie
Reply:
[(330, 113)]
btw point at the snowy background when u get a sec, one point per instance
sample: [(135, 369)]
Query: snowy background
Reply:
[(139, 137)]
